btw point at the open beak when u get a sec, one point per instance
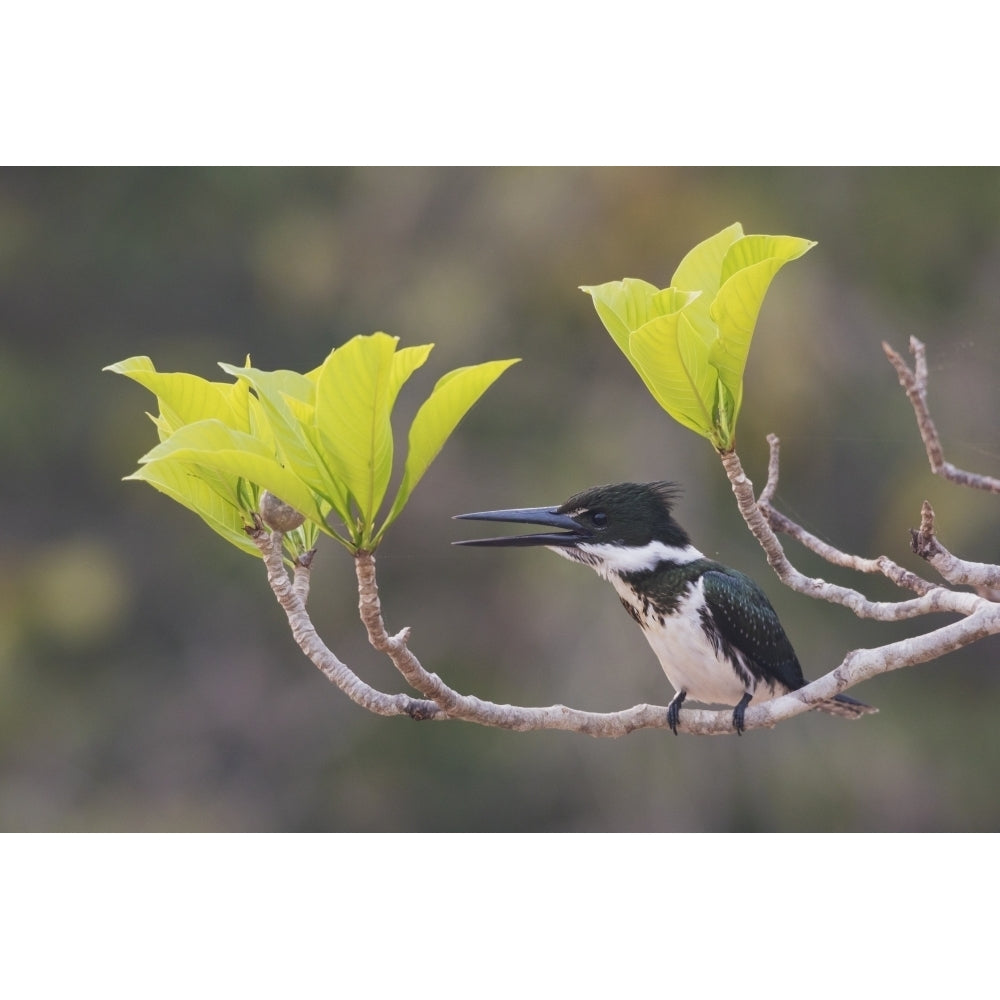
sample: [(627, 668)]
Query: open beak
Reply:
[(549, 517)]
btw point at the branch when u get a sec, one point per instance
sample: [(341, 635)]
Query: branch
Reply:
[(445, 703), (863, 664), (471, 709), (442, 702), (915, 383), (291, 597), (903, 578), (984, 576), (923, 541), (979, 613), (932, 599), (302, 575)]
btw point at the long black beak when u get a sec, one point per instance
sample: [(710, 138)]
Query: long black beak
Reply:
[(547, 516)]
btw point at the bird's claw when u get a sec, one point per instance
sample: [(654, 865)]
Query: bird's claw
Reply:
[(674, 711)]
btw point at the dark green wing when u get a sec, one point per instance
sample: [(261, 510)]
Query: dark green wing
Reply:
[(745, 621)]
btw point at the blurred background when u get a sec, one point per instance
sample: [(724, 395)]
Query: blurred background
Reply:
[(147, 677)]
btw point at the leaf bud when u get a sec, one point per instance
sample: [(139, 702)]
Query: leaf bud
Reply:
[(277, 514)]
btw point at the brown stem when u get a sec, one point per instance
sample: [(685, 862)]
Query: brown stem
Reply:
[(915, 383)]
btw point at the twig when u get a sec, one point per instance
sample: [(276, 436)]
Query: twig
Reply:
[(458, 706), (980, 616), (915, 384), (959, 572), (903, 578), (301, 575), (288, 595), (444, 703), (931, 600)]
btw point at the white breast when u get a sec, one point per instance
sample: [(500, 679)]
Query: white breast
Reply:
[(688, 657)]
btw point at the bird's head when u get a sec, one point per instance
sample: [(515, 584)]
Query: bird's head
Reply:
[(624, 527)]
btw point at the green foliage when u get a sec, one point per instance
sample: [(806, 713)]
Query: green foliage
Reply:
[(689, 342), (321, 441)]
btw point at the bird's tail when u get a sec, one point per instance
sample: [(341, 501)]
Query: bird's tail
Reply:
[(847, 708)]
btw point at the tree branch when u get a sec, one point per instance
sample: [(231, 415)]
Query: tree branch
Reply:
[(291, 598), (458, 706), (903, 578), (979, 613), (445, 703), (442, 702), (959, 572), (302, 574), (915, 383), (932, 599)]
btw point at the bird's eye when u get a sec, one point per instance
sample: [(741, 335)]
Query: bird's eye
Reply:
[(598, 519)]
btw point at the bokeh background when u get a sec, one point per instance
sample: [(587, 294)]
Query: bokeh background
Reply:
[(147, 678)]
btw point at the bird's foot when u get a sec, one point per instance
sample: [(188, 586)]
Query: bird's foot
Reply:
[(674, 710), (739, 711)]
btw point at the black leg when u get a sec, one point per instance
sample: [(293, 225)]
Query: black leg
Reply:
[(674, 710), (738, 712)]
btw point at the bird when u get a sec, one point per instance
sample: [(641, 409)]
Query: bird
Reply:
[(715, 633)]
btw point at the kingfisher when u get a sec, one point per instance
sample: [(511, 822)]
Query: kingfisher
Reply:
[(715, 633)]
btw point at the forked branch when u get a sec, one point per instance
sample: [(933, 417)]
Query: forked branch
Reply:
[(923, 541), (914, 381), (979, 613)]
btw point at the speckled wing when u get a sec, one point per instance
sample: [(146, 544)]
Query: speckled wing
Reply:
[(746, 621)]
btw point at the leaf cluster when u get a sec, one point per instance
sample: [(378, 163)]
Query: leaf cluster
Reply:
[(321, 441), (689, 342)]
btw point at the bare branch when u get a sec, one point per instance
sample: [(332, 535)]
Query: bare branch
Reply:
[(288, 595), (458, 706), (863, 664), (903, 578), (915, 384), (980, 613), (444, 703), (931, 599), (301, 576), (959, 572)]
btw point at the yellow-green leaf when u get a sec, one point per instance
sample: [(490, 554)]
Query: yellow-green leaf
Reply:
[(233, 455), (185, 398), (452, 397), (404, 363), (184, 484), (354, 394), (673, 361), (748, 269), (701, 269), (321, 441), (689, 342), (287, 401), (623, 306), (701, 266), (626, 306), (753, 249)]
